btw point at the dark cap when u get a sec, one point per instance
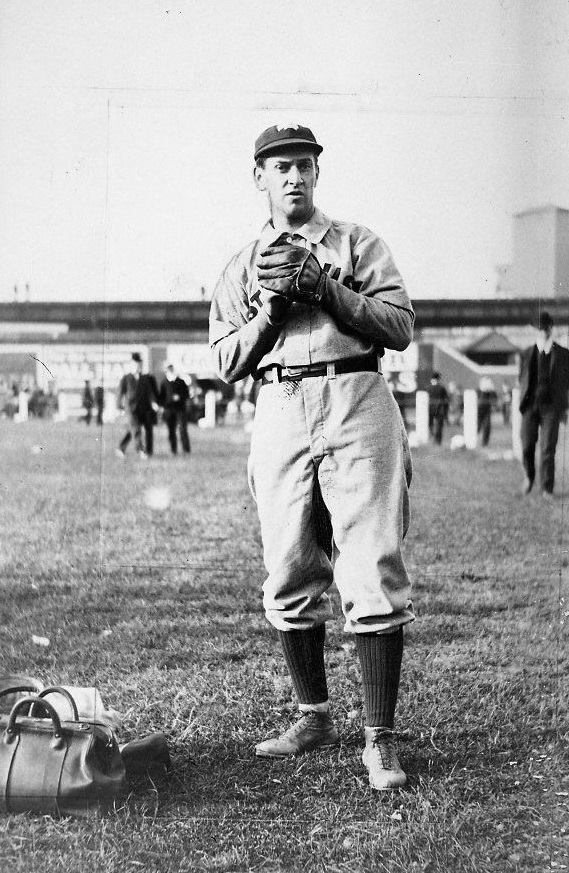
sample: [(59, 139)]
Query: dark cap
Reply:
[(277, 137), (136, 357), (544, 321), (435, 375)]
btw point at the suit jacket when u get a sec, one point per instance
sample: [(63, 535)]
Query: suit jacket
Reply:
[(138, 394), (438, 401), (559, 377), (170, 388)]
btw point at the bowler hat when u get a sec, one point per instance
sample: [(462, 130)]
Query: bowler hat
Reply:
[(279, 137), (544, 321)]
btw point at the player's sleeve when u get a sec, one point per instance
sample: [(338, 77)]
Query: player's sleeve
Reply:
[(237, 342), (377, 306)]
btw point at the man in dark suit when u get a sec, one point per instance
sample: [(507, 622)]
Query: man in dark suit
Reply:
[(99, 395), (87, 401), (544, 386), (138, 396), (174, 395), (438, 407)]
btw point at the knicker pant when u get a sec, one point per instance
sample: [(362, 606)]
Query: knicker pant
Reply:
[(542, 422), (348, 433)]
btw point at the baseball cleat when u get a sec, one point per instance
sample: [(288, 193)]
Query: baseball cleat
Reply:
[(381, 760), (311, 730), (527, 486), (120, 454)]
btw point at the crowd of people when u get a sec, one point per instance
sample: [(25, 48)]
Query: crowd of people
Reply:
[(41, 404), (143, 400)]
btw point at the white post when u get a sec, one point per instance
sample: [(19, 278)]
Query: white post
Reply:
[(209, 417), (62, 406), (422, 417), (470, 418), (516, 422), (110, 409), (22, 414)]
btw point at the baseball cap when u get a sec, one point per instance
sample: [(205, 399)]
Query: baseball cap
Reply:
[(136, 357), (278, 136)]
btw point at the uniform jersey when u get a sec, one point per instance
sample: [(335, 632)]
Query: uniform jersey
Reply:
[(378, 315)]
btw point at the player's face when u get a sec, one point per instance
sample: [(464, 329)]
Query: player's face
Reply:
[(289, 180)]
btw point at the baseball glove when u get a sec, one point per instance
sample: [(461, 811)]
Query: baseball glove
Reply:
[(293, 272)]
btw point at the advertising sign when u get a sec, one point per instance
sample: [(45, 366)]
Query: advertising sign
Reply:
[(404, 364), (191, 358), (70, 365)]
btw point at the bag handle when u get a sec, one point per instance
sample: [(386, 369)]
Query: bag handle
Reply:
[(27, 701), (14, 689), (59, 689)]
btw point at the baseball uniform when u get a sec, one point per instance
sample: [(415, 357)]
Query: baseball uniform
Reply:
[(344, 428), (308, 308)]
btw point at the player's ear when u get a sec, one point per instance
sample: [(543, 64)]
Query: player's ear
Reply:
[(259, 177), (317, 169)]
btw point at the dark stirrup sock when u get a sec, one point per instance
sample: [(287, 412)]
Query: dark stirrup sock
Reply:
[(304, 655), (380, 658)]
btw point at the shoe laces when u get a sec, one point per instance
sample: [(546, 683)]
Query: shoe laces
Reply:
[(308, 719), (383, 743)]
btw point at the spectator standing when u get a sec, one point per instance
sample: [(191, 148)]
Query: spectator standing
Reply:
[(454, 403), (138, 397), (506, 403), (438, 407), (87, 402), (487, 397), (99, 403), (544, 385), (174, 395)]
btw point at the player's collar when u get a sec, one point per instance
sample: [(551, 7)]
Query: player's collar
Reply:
[(313, 230)]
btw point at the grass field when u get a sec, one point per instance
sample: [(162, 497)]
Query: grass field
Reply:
[(483, 705)]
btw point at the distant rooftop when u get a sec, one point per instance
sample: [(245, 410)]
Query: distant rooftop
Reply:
[(548, 207), (492, 342)]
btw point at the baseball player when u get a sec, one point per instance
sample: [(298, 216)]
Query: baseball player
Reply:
[(309, 308)]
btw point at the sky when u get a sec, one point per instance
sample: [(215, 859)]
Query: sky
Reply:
[(127, 131)]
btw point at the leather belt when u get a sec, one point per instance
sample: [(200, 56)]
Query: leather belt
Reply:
[(331, 369)]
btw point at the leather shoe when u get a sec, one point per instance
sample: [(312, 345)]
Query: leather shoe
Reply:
[(379, 757), (311, 730)]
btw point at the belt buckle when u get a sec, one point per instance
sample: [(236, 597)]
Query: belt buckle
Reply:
[(295, 373)]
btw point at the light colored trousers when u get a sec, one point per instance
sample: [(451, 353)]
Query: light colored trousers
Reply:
[(348, 432)]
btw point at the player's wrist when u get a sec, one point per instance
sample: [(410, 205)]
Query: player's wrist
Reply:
[(321, 290)]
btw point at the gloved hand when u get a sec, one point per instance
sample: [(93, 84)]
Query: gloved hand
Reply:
[(292, 272)]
